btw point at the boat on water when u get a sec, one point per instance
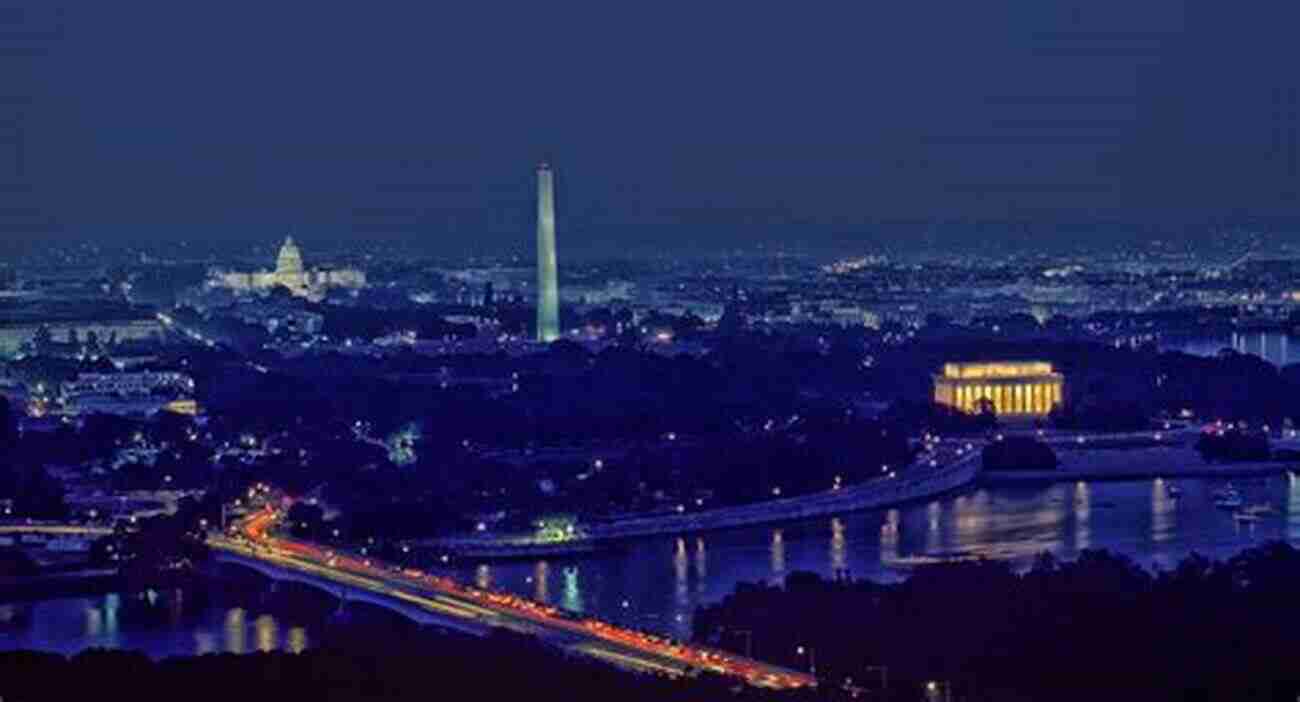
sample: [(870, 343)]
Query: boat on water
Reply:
[(1261, 508), (1226, 491), (1248, 517), (1231, 501), (1174, 491)]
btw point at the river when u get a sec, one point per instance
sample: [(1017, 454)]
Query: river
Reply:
[(656, 583), (161, 625)]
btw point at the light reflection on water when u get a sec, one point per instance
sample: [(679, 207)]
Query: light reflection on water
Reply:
[(666, 579), (297, 640), (778, 552), (572, 595), (838, 545), (540, 579), (235, 633), (268, 638), (156, 627), (1139, 519)]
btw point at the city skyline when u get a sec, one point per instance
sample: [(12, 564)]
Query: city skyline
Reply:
[(920, 352)]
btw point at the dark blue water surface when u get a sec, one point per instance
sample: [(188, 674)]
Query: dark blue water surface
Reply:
[(657, 583)]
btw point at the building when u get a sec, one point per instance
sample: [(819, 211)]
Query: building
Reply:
[(289, 273), (278, 317), (141, 394), (1015, 388), (50, 328), (142, 383), (548, 295)]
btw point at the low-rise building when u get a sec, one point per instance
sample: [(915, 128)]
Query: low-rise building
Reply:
[(1011, 388)]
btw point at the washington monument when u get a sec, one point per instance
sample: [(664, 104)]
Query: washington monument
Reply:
[(548, 295)]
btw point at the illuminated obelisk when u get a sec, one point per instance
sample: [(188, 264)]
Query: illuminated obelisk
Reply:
[(548, 292)]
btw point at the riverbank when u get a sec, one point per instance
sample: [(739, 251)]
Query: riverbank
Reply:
[(917, 483), (521, 551), (1136, 464)]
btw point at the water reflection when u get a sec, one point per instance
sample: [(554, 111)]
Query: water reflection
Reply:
[(267, 633), (701, 559), (1163, 512), (889, 537), (70, 625), (681, 571), (1082, 513), (235, 630), (94, 623), (839, 547), (969, 514), (1291, 505), (175, 607), (204, 642), (541, 576), (932, 536), (297, 640), (111, 604), (572, 594), (778, 552)]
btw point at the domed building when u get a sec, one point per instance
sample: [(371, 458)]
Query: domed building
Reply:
[(289, 262), (292, 274)]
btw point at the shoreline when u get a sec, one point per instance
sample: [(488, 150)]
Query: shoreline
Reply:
[(1109, 463), (880, 493)]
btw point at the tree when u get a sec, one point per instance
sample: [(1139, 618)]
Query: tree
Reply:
[(43, 340), (987, 415), (8, 427), (305, 519), (164, 551), (1233, 445), (1019, 453), (38, 495), (16, 564)]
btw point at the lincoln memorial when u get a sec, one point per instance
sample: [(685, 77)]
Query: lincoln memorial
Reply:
[(1015, 388)]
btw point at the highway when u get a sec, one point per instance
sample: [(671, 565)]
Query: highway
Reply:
[(446, 597), (55, 529)]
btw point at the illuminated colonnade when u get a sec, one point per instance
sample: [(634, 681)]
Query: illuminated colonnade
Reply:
[(1026, 388)]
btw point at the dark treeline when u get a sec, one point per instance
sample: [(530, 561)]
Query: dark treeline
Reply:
[(1233, 445), (1097, 627), (1019, 453), (503, 667), (24, 482)]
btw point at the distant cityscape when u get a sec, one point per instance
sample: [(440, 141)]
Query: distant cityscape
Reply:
[(404, 426)]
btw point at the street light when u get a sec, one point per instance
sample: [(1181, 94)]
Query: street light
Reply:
[(749, 638), (884, 674), (812, 658)]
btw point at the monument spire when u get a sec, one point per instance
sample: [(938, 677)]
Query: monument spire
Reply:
[(548, 302)]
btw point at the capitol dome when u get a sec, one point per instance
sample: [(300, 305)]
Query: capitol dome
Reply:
[(290, 259)]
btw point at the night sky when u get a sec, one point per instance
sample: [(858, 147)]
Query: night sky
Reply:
[(239, 118)]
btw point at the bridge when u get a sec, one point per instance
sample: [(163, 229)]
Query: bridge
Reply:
[(421, 610), (56, 529), (443, 602), (432, 610)]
